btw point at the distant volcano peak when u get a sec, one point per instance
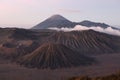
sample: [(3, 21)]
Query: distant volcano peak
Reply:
[(60, 21), (57, 17), (54, 21)]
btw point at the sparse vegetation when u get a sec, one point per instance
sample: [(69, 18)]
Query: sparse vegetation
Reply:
[(109, 77)]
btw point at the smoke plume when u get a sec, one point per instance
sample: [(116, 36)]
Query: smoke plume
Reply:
[(107, 30)]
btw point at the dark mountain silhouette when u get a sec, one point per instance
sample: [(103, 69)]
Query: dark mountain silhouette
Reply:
[(90, 24), (54, 21), (88, 41), (59, 21), (51, 55)]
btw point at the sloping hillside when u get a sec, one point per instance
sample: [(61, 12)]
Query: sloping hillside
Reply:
[(54, 56), (88, 41)]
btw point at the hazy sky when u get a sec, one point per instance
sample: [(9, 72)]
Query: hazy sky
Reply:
[(27, 13)]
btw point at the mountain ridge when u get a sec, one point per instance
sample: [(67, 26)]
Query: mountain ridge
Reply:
[(88, 41), (60, 21)]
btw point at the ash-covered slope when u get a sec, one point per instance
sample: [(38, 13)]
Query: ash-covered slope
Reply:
[(16, 42), (88, 41), (51, 55)]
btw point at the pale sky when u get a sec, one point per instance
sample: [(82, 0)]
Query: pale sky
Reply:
[(27, 13)]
